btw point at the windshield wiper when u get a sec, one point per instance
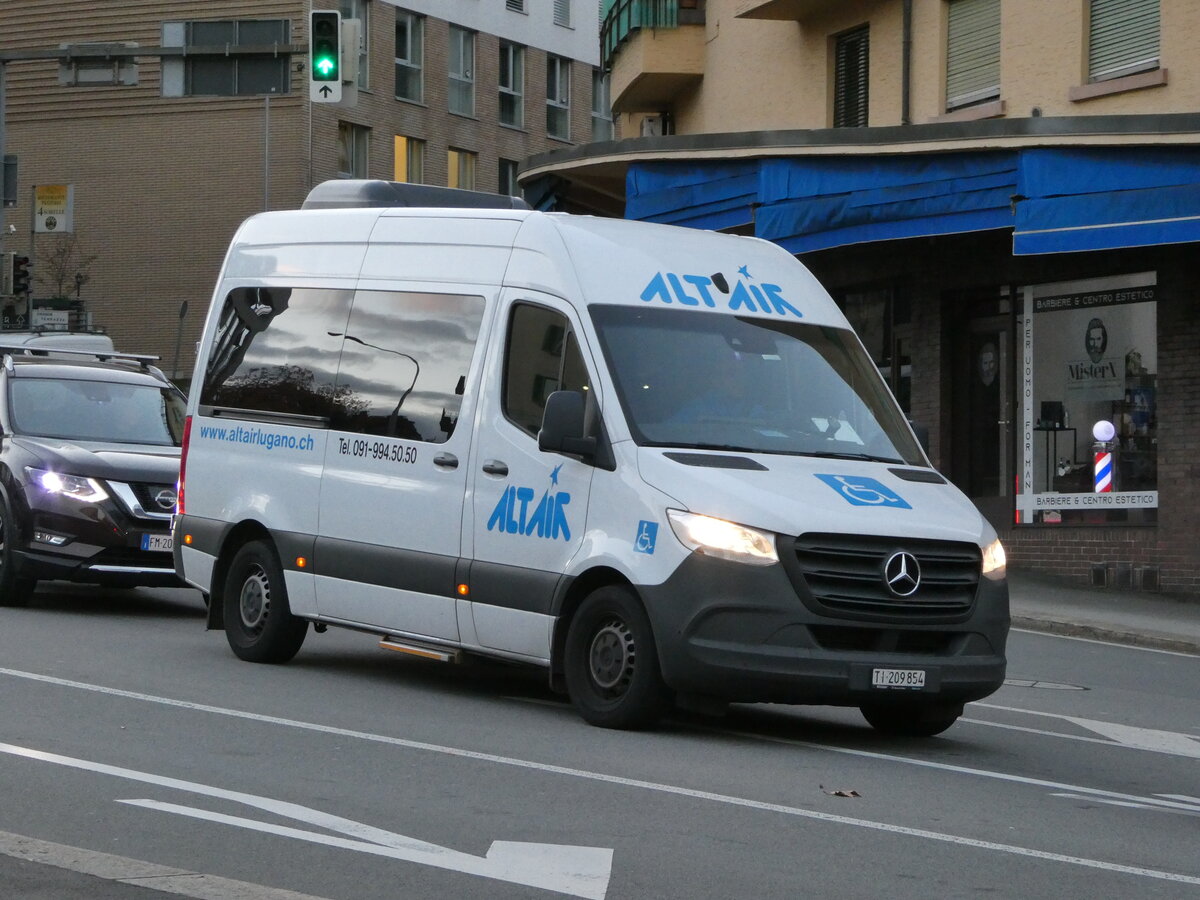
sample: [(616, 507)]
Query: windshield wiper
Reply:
[(866, 457)]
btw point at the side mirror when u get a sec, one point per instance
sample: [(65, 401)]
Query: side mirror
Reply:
[(563, 425)]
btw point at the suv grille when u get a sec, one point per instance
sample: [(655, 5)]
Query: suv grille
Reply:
[(843, 575)]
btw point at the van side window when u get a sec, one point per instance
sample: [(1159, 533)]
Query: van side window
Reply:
[(275, 351), (404, 363), (542, 356)]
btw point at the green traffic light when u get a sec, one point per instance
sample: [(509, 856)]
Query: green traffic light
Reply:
[(326, 67)]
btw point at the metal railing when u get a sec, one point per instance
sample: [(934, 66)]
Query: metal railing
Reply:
[(627, 16)]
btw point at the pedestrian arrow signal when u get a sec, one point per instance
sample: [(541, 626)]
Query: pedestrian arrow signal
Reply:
[(325, 56)]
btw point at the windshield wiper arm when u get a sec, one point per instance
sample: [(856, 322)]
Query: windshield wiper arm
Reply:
[(836, 454)]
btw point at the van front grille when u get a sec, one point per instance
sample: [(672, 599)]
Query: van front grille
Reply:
[(846, 576)]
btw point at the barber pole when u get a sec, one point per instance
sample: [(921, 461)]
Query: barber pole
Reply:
[(1103, 472)]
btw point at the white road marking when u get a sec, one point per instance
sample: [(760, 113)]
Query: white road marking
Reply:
[(1187, 809), (136, 872), (577, 871), (673, 789), (1087, 640), (1168, 742)]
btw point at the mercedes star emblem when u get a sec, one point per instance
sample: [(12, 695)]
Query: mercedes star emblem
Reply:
[(902, 574)]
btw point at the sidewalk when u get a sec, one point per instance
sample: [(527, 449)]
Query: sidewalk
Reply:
[(1141, 618)]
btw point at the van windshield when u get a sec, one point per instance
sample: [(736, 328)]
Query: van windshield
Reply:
[(702, 380)]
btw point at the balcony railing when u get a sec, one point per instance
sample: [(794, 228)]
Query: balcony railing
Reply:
[(624, 17)]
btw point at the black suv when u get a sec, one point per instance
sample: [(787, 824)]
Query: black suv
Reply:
[(89, 462)]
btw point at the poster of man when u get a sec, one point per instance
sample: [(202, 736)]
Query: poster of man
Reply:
[(1096, 340)]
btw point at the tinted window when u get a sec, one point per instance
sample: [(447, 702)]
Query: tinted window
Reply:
[(541, 357), (103, 411), (404, 363), (276, 350)]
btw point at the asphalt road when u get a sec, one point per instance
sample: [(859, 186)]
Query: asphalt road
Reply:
[(137, 756)]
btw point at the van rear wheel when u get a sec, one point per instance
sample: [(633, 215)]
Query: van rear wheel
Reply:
[(259, 623), (611, 662), (910, 720)]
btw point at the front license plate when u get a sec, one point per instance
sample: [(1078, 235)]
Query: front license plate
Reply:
[(898, 678), (163, 543)]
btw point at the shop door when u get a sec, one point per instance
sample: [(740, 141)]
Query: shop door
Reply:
[(983, 417)]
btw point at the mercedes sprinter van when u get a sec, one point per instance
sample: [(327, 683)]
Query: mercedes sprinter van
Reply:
[(655, 461)]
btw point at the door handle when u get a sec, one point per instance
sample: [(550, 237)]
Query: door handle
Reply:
[(446, 460), (495, 467)]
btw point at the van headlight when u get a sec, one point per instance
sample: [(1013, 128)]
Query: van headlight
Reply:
[(994, 561), (724, 540), (87, 490)]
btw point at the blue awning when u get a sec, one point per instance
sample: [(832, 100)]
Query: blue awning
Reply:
[(1058, 201), (818, 203), (1094, 199), (700, 195)]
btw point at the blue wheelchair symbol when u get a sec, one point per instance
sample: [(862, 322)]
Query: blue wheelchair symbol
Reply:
[(860, 491), (646, 537)]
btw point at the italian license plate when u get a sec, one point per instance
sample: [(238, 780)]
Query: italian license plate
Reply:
[(162, 543), (898, 678)]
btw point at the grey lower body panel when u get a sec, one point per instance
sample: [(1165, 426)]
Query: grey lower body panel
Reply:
[(742, 633)]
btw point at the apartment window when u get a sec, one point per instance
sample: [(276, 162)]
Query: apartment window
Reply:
[(462, 71), (558, 97), (850, 78), (227, 76), (972, 52), (460, 166), (508, 178), (408, 163), (361, 10), (512, 84), (602, 122), (352, 150), (562, 13), (410, 37), (1122, 38)]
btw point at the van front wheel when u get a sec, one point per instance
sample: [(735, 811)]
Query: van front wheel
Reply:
[(611, 663), (907, 720), (259, 623)]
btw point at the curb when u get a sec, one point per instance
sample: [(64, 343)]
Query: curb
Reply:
[(1108, 635)]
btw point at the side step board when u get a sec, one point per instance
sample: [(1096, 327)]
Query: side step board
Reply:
[(425, 651)]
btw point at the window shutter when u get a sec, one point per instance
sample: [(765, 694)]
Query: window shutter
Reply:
[(972, 52), (515, 5), (851, 78), (1123, 38), (562, 12)]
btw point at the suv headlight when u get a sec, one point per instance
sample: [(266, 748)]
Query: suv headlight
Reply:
[(724, 540), (87, 490), (994, 561)]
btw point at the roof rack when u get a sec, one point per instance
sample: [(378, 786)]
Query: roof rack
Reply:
[(355, 193), (142, 359)]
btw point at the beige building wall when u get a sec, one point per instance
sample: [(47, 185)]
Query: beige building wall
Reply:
[(778, 74)]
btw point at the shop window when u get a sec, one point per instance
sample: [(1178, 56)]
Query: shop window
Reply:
[(1122, 38), (972, 52), (851, 76), (1090, 366), (882, 321)]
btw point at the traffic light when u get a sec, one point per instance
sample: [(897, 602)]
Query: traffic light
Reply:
[(20, 274), (325, 46)]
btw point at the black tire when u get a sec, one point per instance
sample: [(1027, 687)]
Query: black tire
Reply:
[(611, 662), (910, 720), (259, 623), (15, 590)]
